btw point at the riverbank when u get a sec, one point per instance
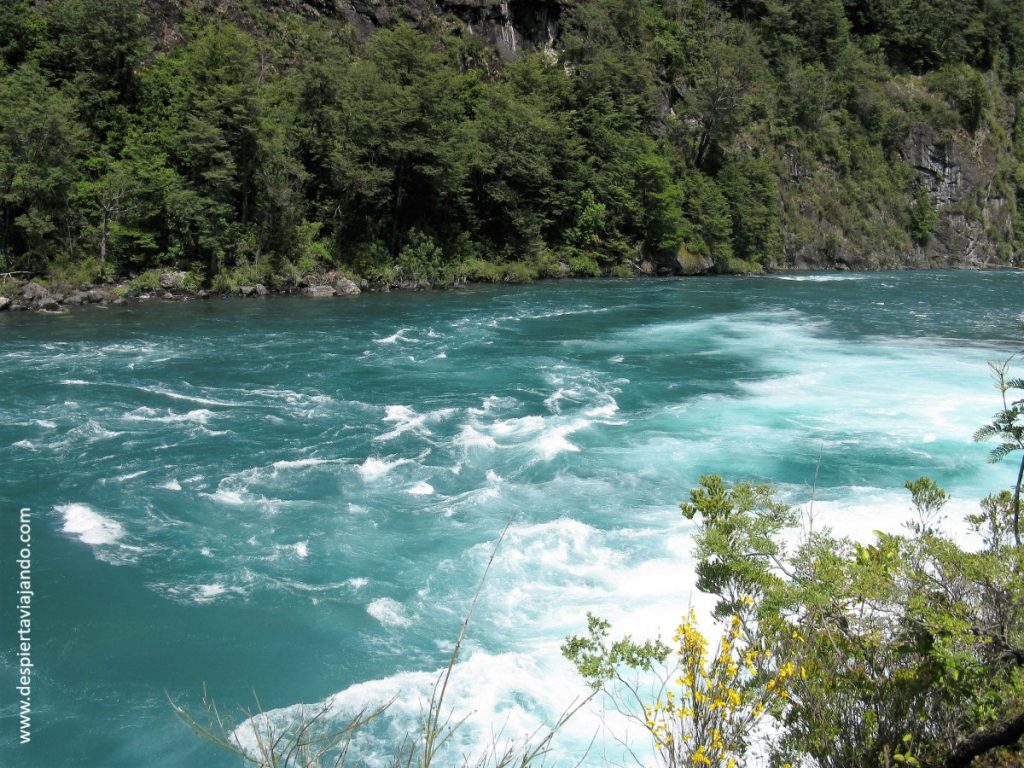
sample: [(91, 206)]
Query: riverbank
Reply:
[(57, 296)]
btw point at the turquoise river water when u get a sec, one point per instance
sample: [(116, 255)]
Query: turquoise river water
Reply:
[(297, 497)]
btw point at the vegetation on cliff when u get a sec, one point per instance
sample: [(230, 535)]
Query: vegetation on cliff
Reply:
[(248, 142)]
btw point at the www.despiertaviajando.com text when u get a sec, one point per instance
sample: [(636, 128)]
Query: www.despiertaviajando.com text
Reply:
[(24, 628)]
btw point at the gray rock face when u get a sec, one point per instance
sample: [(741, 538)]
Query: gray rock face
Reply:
[(319, 290), (959, 181), (345, 287), (173, 281), (34, 292), (511, 26)]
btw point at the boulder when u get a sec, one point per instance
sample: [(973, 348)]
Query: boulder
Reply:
[(4, 303), (75, 298), (34, 292), (690, 263), (47, 304), (203, 294), (120, 301), (98, 296), (648, 268), (173, 281), (247, 290), (319, 290), (345, 287), (261, 289)]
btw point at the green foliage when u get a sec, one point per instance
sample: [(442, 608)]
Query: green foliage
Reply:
[(710, 130), (923, 217)]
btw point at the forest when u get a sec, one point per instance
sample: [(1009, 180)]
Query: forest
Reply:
[(250, 141)]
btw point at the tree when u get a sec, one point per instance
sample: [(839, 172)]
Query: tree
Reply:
[(41, 145), (1008, 428)]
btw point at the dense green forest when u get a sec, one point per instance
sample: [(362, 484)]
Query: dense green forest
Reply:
[(250, 141)]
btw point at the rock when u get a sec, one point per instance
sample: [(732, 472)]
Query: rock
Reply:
[(247, 290), (98, 296), (345, 287), (203, 294), (261, 289), (364, 284), (75, 298), (690, 263), (47, 304), (120, 301), (18, 306), (34, 291), (4, 303), (318, 290), (173, 280), (167, 296), (648, 268)]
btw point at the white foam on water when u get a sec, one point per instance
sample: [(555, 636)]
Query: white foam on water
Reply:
[(493, 402), (818, 278), (421, 489), (227, 496), (395, 337), (555, 440), (171, 485), (199, 416), (45, 423), (206, 593), (301, 549), (130, 476), (406, 419), (374, 468), (191, 398), (301, 463), (388, 612), (469, 437), (357, 582), (26, 444), (89, 526)]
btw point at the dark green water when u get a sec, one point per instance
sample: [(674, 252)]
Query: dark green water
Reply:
[(298, 496)]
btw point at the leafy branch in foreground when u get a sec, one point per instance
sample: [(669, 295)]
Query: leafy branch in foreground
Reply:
[(1007, 427), (906, 650)]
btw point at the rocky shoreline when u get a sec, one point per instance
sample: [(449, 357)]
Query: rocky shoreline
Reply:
[(173, 286), (33, 296)]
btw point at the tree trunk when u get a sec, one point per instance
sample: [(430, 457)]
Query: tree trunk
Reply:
[(1005, 734), (104, 229), (1016, 503)]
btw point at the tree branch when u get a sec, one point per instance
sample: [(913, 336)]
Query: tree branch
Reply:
[(1005, 734)]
